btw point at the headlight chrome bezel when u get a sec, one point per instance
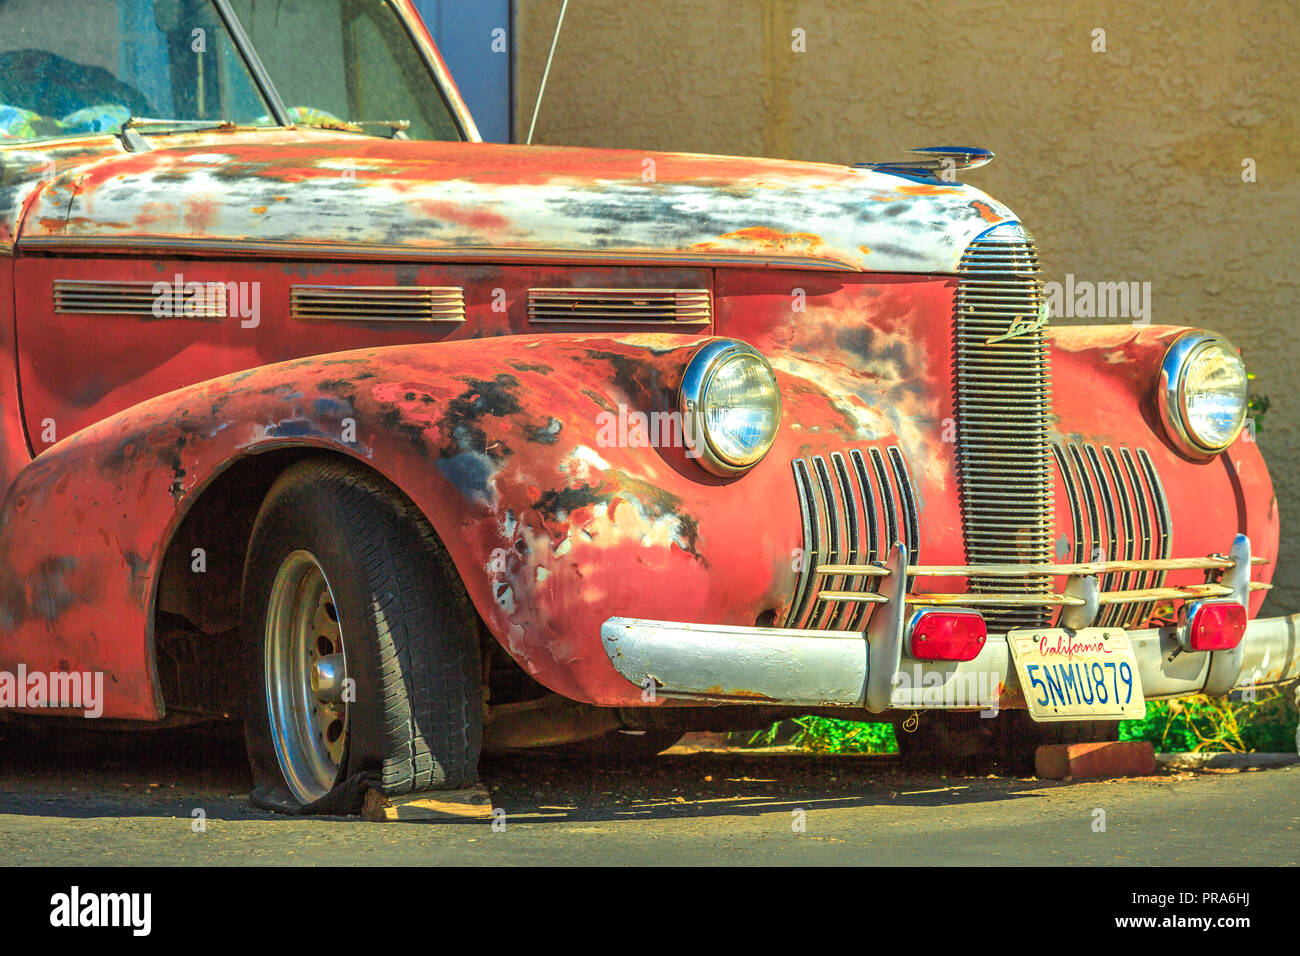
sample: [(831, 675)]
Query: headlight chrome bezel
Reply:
[(1171, 393), (699, 373)]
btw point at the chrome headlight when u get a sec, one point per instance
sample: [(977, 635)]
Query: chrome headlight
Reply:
[(730, 406), (1202, 393)]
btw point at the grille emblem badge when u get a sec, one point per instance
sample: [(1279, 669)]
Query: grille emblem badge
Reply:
[(1022, 325)]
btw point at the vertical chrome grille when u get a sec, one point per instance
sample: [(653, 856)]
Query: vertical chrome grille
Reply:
[(1118, 511), (1004, 406), (852, 508)]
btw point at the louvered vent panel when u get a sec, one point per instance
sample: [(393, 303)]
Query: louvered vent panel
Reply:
[(350, 303), (632, 306), (198, 300)]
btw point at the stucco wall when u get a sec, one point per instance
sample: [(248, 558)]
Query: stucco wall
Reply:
[(1127, 164)]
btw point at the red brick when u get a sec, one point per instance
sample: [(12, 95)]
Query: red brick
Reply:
[(1128, 758)]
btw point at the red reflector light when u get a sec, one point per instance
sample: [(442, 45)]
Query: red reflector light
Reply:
[(947, 635), (1216, 626)]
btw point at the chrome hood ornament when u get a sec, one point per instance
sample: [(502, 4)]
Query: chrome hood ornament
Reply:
[(938, 159)]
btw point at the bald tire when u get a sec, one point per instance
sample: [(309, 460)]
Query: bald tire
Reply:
[(409, 630)]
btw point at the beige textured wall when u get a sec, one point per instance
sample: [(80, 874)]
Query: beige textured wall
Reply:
[(1125, 164)]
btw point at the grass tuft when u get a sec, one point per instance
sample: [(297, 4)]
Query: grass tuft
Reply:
[(1190, 724)]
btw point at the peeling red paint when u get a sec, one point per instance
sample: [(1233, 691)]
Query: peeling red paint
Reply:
[(926, 189)]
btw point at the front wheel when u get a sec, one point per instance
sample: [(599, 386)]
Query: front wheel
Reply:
[(362, 649)]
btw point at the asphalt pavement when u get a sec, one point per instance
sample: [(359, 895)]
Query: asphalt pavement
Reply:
[(180, 798)]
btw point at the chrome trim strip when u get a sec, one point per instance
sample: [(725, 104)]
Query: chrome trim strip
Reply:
[(448, 92), (1163, 519), (260, 75), (1082, 590), (1141, 613), (1106, 496), (807, 512), (911, 511), (830, 668), (1214, 562), (608, 320), (752, 665), (1072, 498), (1121, 492), (1163, 547), (1095, 544), (853, 550), (886, 496), (825, 613), (873, 547), (311, 251)]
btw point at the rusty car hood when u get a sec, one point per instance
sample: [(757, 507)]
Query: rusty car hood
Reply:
[(299, 190)]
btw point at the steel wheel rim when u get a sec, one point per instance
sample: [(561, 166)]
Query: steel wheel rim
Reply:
[(306, 670)]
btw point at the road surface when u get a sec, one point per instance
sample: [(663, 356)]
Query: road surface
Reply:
[(132, 800)]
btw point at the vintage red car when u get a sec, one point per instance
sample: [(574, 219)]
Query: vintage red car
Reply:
[(321, 412)]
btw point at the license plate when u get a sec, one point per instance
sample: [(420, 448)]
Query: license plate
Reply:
[(1078, 675)]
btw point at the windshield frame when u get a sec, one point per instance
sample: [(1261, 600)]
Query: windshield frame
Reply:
[(416, 33), (261, 77)]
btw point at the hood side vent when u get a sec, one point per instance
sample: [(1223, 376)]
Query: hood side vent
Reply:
[(626, 306), (355, 303), (195, 300)]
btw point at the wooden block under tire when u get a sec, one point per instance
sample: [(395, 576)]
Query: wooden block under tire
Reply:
[(472, 803), (1127, 758)]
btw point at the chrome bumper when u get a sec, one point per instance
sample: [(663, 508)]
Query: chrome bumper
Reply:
[(712, 663)]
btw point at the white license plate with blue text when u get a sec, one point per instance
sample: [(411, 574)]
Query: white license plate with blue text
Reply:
[(1087, 674)]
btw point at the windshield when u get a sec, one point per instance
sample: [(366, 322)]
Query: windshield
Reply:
[(346, 61), (72, 67), (69, 67)]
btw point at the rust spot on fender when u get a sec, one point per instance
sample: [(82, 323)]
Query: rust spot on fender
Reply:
[(717, 691), (925, 189), (774, 238)]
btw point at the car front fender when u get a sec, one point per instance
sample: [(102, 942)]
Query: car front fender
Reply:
[(498, 442)]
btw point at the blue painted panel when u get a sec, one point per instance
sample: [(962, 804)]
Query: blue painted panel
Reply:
[(480, 59)]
